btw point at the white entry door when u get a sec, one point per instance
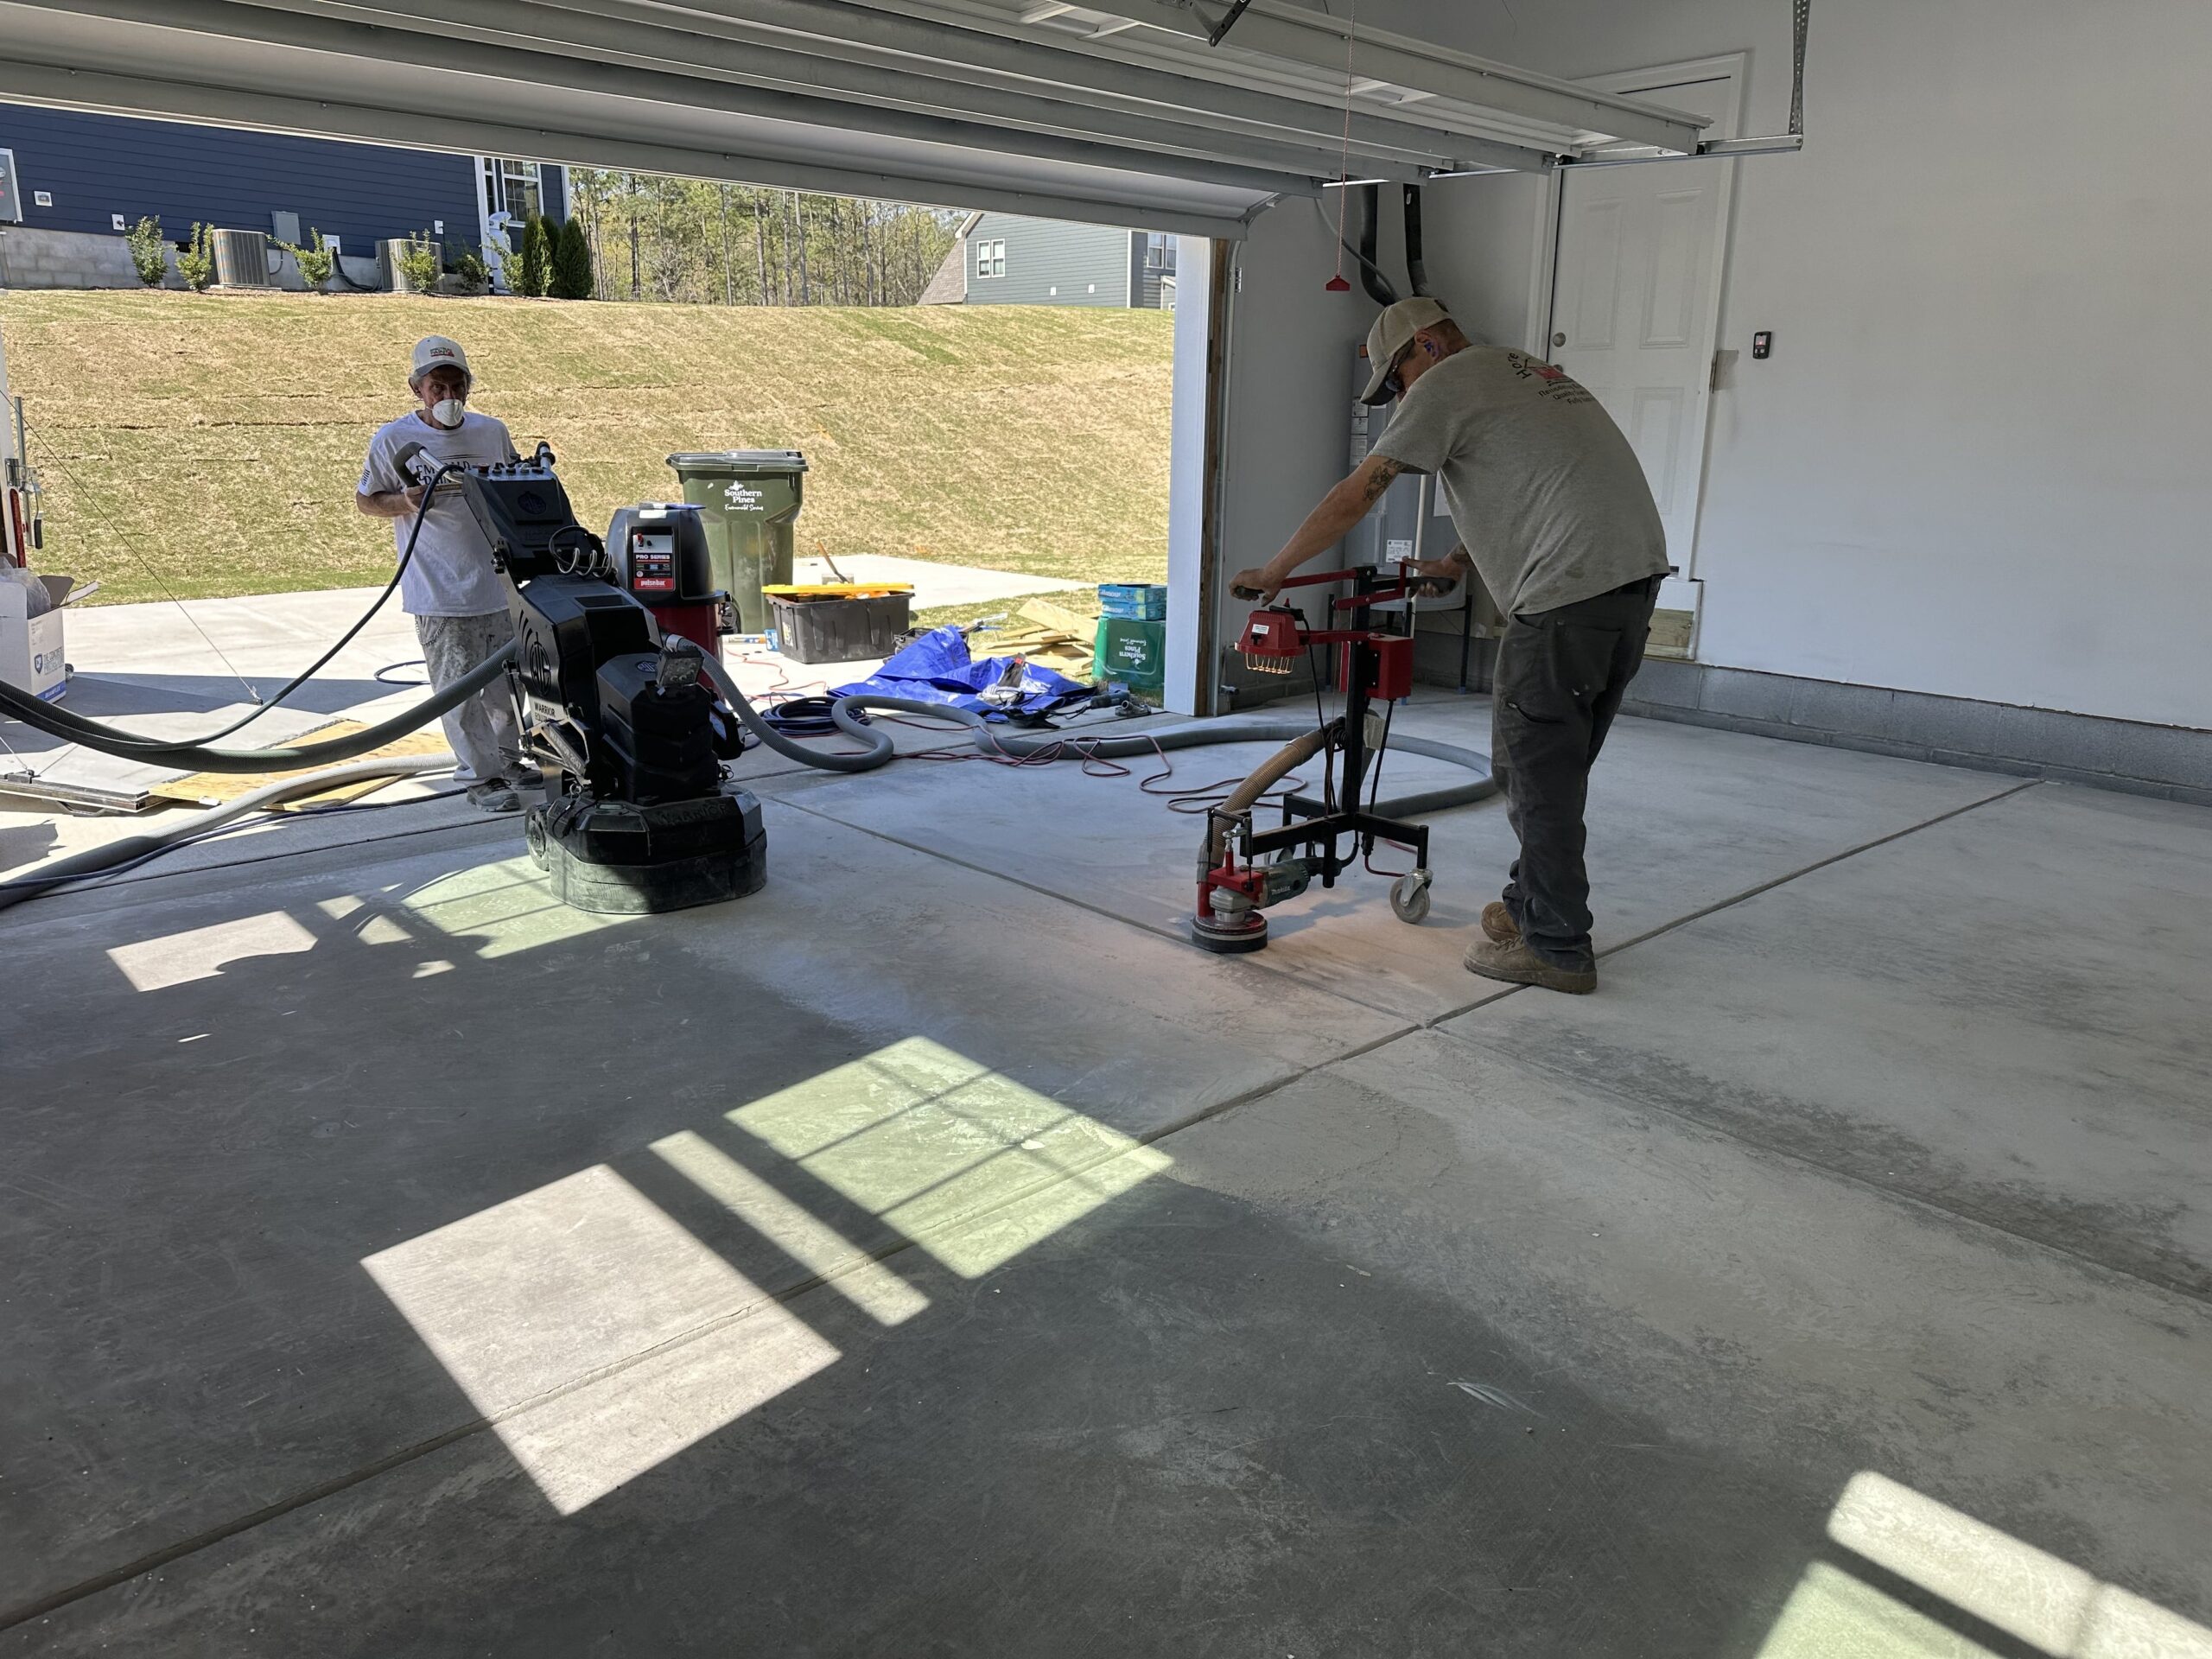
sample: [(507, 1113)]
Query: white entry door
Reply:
[(1636, 299)]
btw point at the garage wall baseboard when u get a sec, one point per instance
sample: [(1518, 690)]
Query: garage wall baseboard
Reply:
[(2171, 762)]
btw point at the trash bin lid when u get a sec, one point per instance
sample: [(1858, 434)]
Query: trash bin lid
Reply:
[(737, 463)]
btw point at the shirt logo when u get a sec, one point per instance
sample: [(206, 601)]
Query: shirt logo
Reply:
[(1552, 382)]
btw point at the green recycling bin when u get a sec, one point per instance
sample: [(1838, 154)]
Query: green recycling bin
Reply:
[(748, 499)]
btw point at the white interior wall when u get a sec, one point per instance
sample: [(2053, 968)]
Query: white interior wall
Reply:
[(1975, 464), (1287, 426)]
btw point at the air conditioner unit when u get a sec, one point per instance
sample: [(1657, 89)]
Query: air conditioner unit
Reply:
[(388, 256), (242, 259)]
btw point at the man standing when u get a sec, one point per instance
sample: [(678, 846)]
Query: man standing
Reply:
[(450, 588), (1553, 502)]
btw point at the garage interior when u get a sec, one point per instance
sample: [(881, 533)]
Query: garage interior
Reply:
[(932, 1253)]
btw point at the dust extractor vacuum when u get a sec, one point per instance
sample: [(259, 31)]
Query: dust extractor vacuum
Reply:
[(625, 706)]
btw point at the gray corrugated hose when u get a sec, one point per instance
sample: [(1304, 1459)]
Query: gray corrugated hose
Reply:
[(1302, 736), (131, 848)]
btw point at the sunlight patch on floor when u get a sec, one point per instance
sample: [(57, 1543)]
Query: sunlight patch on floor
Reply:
[(1996, 1581), (601, 1336), (506, 906), (972, 1164), (552, 1298), (204, 952)]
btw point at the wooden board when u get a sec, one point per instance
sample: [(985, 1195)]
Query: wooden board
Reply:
[(213, 788)]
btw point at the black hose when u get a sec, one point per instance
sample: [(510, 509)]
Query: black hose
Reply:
[(90, 729), (1378, 286), (1416, 268), (32, 712)]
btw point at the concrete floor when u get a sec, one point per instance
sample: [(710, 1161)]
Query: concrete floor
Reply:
[(932, 1254)]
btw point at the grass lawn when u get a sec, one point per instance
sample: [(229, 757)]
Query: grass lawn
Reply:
[(218, 437)]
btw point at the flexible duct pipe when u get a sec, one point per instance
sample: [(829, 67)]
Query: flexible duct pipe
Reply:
[(1416, 267), (1370, 274), (133, 848), (92, 735)]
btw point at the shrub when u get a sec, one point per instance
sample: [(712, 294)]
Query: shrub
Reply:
[(418, 262), (469, 266), (148, 253), (315, 261), (572, 263), (530, 271), (195, 261)]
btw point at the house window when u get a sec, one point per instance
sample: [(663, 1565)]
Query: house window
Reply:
[(990, 259), (511, 187), (1160, 252)]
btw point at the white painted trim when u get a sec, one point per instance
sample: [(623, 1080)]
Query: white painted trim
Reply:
[(1687, 588), (1543, 271), (1189, 405)]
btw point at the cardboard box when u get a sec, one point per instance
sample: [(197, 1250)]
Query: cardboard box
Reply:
[(30, 646)]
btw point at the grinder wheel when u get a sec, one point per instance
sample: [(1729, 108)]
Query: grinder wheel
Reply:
[(1226, 940)]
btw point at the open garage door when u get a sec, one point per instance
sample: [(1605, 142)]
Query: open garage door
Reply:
[(1124, 113)]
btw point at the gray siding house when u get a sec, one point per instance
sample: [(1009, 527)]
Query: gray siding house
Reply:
[(1008, 259)]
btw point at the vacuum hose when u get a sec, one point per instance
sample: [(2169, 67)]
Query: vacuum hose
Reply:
[(131, 849), (108, 740), (1303, 738)]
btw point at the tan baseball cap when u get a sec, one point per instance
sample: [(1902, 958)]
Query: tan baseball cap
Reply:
[(1393, 332), (436, 352)]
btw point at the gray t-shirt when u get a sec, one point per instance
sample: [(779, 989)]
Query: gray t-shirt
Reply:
[(451, 574), (1549, 498)]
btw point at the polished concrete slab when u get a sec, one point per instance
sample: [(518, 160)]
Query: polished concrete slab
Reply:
[(1679, 820), (2004, 1014), (1424, 1354), (914, 1261), (227, 1095)]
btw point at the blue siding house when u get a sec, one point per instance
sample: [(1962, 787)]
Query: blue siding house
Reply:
[(81, 179), (1008, 259)]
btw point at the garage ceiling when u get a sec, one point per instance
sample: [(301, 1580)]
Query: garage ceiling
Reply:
[(1118, 111)]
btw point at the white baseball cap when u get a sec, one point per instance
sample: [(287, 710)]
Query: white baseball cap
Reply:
[(1393, 332), (436, 352)]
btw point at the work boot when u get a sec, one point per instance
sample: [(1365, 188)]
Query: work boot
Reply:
[(1516, 964), (494, 794), (1498, 923)]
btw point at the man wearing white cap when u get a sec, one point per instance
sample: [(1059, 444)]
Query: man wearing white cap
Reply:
[(450, 588), (1553, 510)]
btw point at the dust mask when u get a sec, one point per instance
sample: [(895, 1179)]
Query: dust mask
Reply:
[(449, 412)]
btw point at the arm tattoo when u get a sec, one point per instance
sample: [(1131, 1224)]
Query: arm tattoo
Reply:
[(1386, 470)]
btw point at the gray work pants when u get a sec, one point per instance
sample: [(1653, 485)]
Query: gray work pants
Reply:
[(482, 731), (1559, 679)]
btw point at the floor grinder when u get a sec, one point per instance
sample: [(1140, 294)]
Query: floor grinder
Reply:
[(1243, 869), (636, 815)]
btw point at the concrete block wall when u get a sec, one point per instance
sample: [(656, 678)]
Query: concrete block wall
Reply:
[(30, 258)]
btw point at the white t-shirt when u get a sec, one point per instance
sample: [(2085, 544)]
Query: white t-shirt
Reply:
[(451, 574)]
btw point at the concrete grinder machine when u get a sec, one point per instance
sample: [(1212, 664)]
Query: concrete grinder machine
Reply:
[(613, 700)]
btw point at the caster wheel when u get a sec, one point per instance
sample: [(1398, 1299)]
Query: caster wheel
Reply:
[(1409, 896)]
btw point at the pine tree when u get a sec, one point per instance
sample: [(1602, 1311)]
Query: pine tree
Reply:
[(572, 277)]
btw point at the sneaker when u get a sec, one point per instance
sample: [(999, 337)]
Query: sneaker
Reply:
[(1516, 964), (1499, 924), (494, 794)]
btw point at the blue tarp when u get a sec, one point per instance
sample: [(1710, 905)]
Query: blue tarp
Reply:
[(937, 668)]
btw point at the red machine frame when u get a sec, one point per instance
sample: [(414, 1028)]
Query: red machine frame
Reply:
[(1374, 665)]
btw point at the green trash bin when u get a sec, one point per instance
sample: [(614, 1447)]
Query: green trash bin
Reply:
[(1131, 652), (748, 499)]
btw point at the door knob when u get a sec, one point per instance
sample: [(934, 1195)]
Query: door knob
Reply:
[(1559, 339)]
